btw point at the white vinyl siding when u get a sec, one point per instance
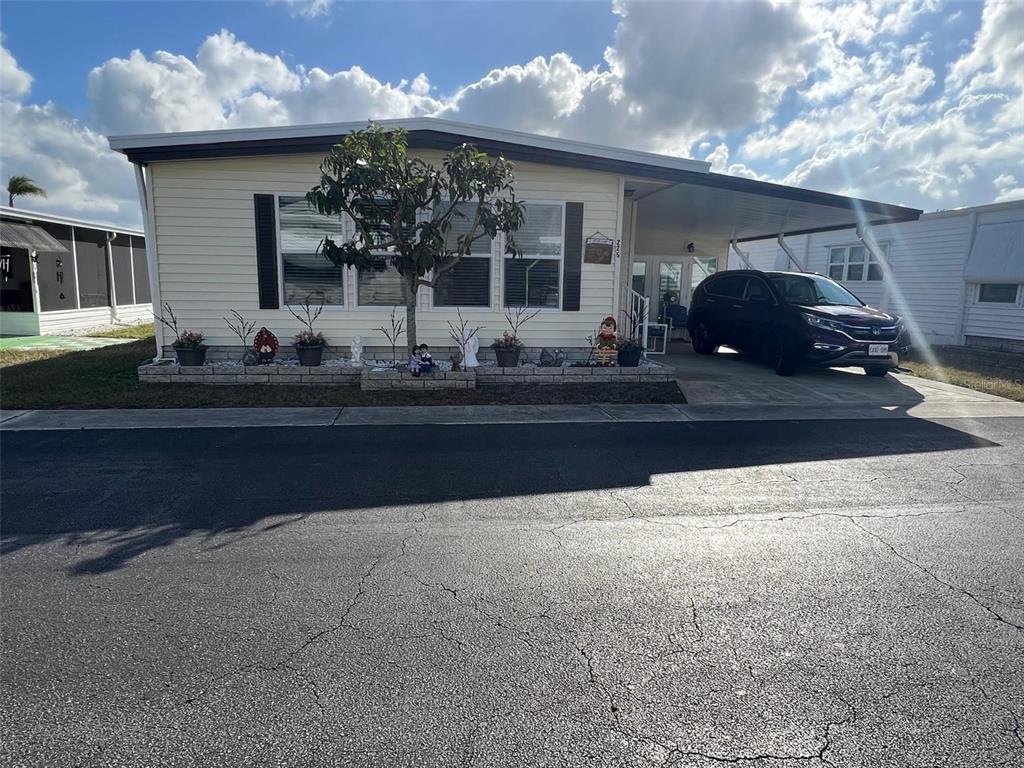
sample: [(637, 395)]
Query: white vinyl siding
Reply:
[(206, 251)]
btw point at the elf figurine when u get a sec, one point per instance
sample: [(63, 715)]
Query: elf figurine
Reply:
[(605, 348)]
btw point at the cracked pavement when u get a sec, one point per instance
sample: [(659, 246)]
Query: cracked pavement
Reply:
[(834, 593)]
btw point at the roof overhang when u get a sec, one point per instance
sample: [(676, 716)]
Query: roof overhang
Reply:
[(423, 133), (29, 237), (720, 207), (25, 215), (738, 208)]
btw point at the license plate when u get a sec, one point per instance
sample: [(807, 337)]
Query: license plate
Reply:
[(878, 350)]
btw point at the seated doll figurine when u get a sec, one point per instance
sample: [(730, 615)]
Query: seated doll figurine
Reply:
[(426, 361), (415, 361)]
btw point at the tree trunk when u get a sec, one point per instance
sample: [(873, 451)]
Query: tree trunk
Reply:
[(410, 310), (10, 200)]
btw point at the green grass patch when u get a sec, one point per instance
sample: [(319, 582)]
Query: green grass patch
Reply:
[(1000, 385), (107, 378), (992, 372), (141, 331)]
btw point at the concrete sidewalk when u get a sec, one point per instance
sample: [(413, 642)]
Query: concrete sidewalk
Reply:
[(190, 418)]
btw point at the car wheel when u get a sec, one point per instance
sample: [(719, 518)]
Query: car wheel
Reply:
[(785, 356), (876, 370), (701, 339)]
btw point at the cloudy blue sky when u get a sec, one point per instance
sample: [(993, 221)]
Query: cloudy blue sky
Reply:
[(916, 102)]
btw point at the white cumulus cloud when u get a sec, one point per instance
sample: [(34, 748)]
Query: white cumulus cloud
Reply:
[(842, 96)]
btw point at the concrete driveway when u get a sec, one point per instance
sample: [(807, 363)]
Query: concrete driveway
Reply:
[(730, 378)]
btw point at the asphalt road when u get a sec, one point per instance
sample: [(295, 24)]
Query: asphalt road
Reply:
[(695, 594)]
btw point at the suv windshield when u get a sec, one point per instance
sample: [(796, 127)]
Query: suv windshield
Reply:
[(813, 290)]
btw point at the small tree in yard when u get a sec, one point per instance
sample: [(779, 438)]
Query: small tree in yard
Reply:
[(406, 208)]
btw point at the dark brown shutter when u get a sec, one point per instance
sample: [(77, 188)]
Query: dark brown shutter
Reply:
[(266, 251), (572, 263)]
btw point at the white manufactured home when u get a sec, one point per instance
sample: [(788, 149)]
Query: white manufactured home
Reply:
[(607, 230), (957, 276), (59, 275)]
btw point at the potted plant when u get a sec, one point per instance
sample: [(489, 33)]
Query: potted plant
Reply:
[(630, 351), (309, 346), (508, 347), (507, 350), (190, 349), (309, 343), (188, 345)]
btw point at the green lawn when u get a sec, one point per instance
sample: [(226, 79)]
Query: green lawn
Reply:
[(1001, 375), (106, 378), (143, 331)]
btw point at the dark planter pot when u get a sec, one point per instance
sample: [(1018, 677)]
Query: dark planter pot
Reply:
[(191, 355), (630, 358), (507, 358), (309, 355)]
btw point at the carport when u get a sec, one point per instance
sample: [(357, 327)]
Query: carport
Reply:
[(681, 228)]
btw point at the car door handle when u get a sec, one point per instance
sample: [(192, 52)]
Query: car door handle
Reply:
[(738, 306)]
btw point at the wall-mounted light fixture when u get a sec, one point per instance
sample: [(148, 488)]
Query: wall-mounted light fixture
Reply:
[(690, 248)]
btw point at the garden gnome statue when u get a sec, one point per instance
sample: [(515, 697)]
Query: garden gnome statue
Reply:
[(472, 346), (357, 350), (604, 349)]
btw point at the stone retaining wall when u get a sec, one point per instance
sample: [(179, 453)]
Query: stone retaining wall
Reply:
[(172, 373), (510, 377), (374, 380), (168, 372)]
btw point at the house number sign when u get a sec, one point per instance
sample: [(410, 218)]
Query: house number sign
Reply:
[(598, 249)]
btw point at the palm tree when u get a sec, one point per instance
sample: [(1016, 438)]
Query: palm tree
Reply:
[(22, 185)]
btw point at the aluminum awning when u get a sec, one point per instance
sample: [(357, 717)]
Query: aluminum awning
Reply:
[(29, 237)]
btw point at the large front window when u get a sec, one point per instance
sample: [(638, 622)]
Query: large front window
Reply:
[(382, 285), (308, 277), (468, 283), (534, 279)]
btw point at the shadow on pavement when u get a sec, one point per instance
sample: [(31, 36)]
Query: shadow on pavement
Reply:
[(140, 490)]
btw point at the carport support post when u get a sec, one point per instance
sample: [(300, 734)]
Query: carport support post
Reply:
[(789, 253), (33, 272), (149, 230), (110, 275), (743, 257)]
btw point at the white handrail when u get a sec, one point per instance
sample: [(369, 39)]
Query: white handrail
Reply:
[(639, 310)]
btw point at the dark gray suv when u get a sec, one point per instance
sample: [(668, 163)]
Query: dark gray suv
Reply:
[(794, 318)]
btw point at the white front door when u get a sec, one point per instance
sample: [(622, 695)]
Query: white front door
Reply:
[(669, 287)]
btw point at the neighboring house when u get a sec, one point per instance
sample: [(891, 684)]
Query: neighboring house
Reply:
[(958, 276), (59, 275), (228, 228)]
